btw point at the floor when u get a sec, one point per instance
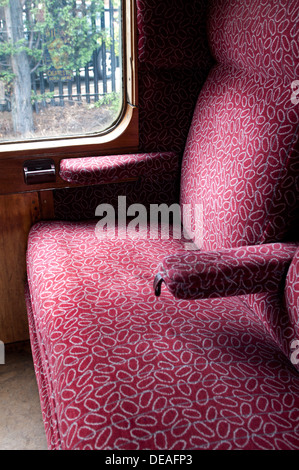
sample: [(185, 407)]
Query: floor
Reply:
[(21, 425)]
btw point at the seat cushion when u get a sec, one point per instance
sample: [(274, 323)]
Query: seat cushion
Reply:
[(118, 368)]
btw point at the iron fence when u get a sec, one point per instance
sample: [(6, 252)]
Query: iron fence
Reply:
[(100, 76)]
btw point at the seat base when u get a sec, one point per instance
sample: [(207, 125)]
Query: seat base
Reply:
[(118, 368)]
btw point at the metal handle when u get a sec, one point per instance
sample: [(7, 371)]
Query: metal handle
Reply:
[(39, 171)]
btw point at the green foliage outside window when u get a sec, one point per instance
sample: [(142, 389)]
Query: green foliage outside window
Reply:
[(54, 37)]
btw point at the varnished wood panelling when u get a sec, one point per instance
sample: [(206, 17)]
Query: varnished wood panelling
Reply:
[(17, 214), (46, 204)]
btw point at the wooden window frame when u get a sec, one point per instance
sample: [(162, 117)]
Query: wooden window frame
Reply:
[(121, 138)]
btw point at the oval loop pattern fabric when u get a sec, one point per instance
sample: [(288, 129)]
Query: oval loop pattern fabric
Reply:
[(119, 368), (131, 371)]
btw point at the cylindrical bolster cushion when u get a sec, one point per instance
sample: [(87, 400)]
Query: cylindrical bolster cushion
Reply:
[(226, 272), (112, 168)]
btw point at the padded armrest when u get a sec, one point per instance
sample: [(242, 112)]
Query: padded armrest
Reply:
[(112, 168), (227, 272)]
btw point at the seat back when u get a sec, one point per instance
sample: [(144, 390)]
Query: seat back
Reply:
[(241, 161), (240, 165)]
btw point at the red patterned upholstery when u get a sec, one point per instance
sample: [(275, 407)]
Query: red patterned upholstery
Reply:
[(156, 175), (278, 313), (119, 368), (222, 273), (264, 41), (292, 296), (173, 62), (166, 103), (247, 140), (166, 99), (172, 33), (248, 126), (246, 159), (97, 170)]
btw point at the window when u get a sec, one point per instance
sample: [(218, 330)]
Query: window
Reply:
[(66, 74)]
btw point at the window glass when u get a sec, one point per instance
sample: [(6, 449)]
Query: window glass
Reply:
[(60, 67)]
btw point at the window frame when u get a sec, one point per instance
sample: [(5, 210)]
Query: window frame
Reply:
[(122, 136)]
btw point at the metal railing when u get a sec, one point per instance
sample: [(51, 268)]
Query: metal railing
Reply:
[(101, 76)]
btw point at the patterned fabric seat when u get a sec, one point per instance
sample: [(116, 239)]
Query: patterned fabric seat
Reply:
[(210, 363)]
